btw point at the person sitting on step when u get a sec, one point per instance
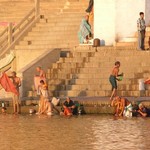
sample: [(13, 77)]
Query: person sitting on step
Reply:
[(69, 107), (84, 31)]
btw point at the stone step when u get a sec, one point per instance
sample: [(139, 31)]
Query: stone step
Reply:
[(56, 32), (97, 93), (55, 44), (54, 41), (89, 70), (94, 87), (52, 24), (62, 25), (85, 81), (126, 44), (57, 36), (97, 73)]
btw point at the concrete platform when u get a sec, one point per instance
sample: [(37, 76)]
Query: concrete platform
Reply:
[(90, 105)]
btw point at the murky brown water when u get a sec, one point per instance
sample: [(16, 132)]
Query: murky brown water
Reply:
[(89, 132)]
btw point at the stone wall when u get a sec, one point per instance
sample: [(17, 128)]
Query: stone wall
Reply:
[(27, 73)]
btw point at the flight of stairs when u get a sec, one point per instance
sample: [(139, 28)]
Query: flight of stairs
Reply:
[(85, 72), (57, 28)]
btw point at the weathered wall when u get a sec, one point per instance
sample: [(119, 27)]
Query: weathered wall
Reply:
[(27, 73), (116, 19), (24, 57)]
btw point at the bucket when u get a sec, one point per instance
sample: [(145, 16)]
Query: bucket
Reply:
[(141, 85), (96, 42)]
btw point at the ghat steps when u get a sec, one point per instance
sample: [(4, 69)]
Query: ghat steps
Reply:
[(85, 72), (57, 28), (52, 10)]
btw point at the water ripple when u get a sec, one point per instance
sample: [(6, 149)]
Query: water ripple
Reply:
[(90, 132)]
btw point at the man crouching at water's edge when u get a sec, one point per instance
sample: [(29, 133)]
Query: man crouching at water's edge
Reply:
[(123, 106)]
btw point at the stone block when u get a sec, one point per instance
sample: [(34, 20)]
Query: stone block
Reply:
[(72, 93)]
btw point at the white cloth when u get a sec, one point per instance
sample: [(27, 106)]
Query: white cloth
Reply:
[(128, 111), (55, 101)]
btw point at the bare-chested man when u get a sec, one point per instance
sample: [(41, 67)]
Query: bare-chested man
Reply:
[(113, 79), (42, 74), (123, 106), (17, 83)]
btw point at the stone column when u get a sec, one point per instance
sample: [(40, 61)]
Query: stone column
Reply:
[(104, 21)]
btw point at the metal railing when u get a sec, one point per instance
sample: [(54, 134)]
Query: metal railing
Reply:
[(12, 34)]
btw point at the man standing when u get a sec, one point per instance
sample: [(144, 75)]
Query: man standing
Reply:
[(17, 83), (141, 31)]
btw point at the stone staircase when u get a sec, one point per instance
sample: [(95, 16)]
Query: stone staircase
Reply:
[(57, 28), (85, 72)]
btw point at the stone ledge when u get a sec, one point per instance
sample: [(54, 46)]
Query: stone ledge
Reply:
[(89, 105)]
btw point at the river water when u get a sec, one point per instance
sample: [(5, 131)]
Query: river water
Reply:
[(87, 132)]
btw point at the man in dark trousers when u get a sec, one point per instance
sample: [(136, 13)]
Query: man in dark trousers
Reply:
[(141, 31)]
